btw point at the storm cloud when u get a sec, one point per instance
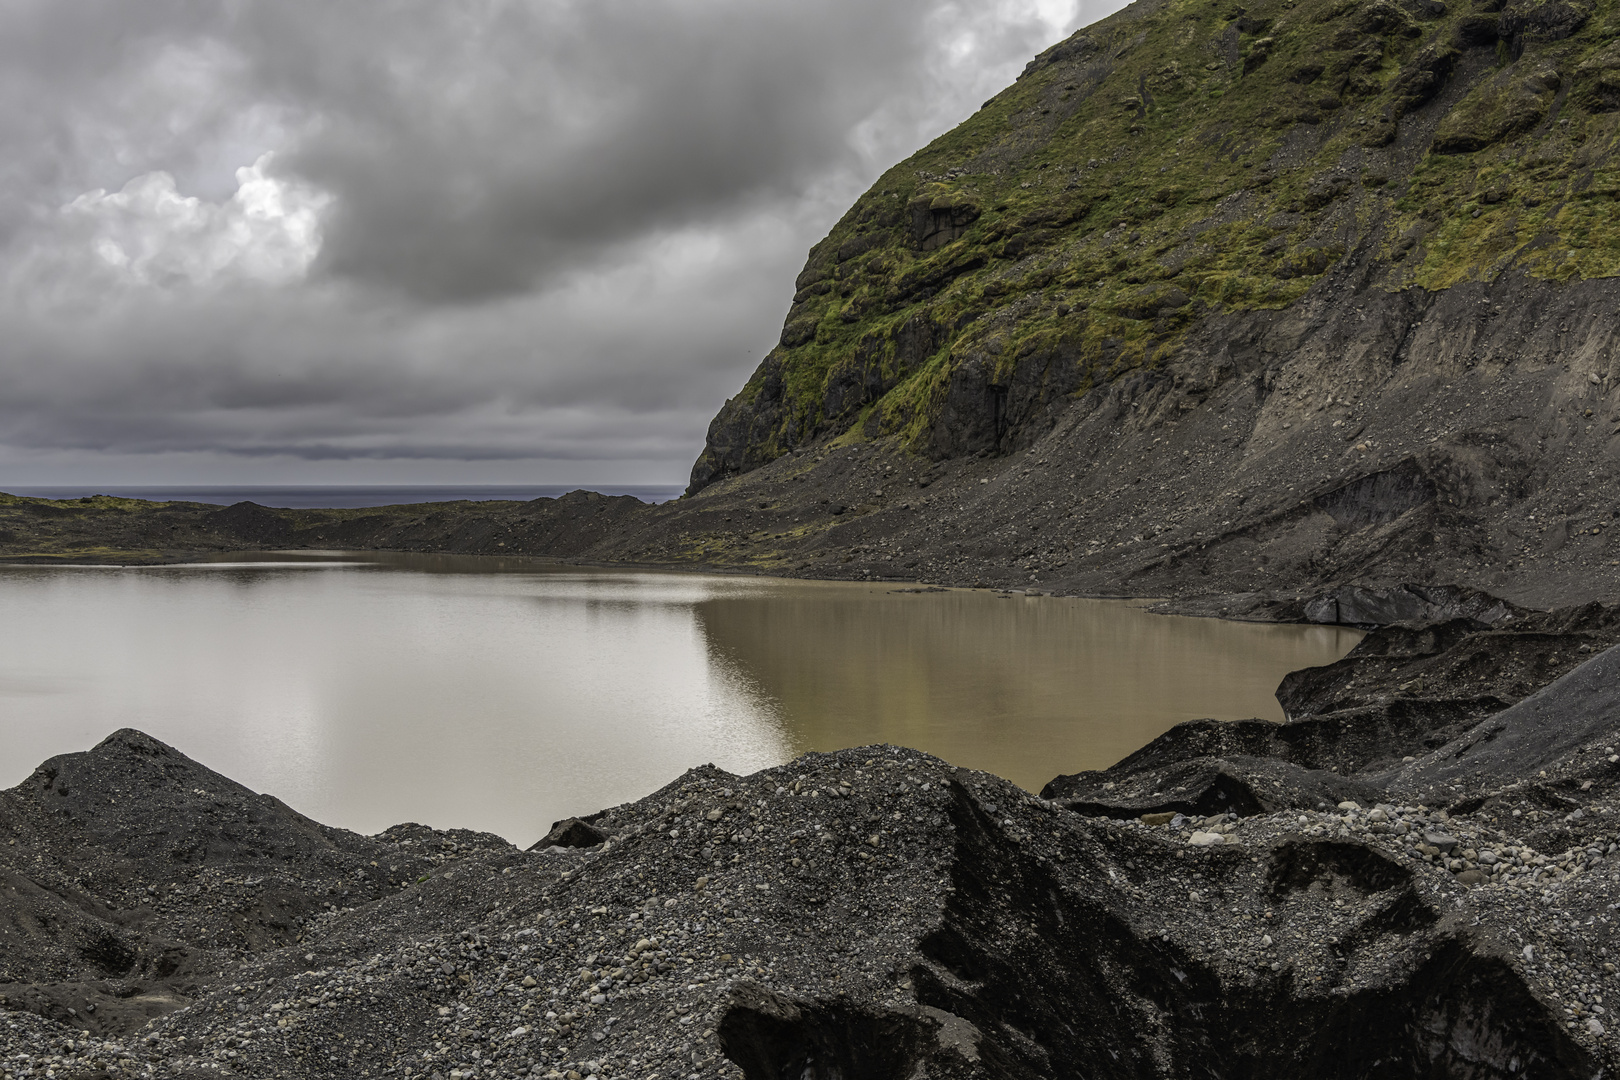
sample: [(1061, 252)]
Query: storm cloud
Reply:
[(295, 241)]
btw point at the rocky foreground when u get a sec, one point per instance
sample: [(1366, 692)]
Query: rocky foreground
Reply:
[(1296, 310), (1415, 876)]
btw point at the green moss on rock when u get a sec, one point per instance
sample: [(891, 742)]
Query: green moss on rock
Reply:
[(1181, 159)]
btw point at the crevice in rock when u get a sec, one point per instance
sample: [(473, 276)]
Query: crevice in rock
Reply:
[(1057, 981)]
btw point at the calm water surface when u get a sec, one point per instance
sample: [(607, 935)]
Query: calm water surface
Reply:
[(502, 695)]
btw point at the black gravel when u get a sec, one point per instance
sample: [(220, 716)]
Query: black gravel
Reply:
[(872, 912)]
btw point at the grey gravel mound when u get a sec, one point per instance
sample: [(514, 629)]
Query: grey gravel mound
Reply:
[(131, 877), (1578, 714), (873, 912)]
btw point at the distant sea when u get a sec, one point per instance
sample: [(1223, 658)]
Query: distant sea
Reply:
[(344, 496)]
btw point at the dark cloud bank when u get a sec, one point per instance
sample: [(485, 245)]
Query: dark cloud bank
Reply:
[(299, 241)]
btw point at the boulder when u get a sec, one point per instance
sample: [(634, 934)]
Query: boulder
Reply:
[(570, 833)]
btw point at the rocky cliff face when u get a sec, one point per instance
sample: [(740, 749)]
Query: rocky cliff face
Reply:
[(1160, 193), (1228, 298)]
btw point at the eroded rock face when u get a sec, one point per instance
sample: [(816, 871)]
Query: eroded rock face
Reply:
[(1573, 716), (570, 833), (1357, 605), (1352, 171), (1064, 975)]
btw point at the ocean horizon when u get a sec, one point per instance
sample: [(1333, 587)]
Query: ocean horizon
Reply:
[(344, 496)]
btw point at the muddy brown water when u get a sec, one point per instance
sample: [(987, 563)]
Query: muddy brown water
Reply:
[(503, 694)]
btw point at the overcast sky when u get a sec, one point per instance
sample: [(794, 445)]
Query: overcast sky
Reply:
[(441, 241)]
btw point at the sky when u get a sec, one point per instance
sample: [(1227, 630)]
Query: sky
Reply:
[(436, 241)]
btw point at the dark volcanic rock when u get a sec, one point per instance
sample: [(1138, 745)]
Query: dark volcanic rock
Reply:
[(1205, 785), (1355, 605), (570, 833), (1403, 685), (1402, 693), (870, 912), (1578, 715)]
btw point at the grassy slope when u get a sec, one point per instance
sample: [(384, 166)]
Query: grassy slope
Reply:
[(1186, 157)]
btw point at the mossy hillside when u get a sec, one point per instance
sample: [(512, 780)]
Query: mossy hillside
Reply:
[(84, 505), (32, 528), (1195, 156)]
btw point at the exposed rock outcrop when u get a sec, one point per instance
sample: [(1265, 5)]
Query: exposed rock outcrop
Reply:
[(1573, 716), (1161, 194)]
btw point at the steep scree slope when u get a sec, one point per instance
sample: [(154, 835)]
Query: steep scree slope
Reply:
[(1224, 297)]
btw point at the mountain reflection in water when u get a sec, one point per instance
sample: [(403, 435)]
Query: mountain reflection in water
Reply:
[(1024, 687)]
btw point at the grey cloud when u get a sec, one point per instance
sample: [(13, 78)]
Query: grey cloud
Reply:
[(574, 125), (555, 231)]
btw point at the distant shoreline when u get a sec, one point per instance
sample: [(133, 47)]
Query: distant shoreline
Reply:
[(339, 496)]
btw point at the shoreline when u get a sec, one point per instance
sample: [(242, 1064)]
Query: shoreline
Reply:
[(1309, 906), (1264, 608), (769, 668)]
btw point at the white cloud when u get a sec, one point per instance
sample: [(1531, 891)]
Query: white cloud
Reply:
[(151, 234)]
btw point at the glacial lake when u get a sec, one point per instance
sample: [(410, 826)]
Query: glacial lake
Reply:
[(366, 690)]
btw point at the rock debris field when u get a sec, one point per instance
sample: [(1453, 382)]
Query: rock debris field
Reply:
[(874, 912)]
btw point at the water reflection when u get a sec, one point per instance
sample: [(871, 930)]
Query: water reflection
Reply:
[(364, 697), (1024, 687), (503, 694)]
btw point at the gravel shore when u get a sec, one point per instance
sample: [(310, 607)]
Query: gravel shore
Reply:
[(1359, 906)]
